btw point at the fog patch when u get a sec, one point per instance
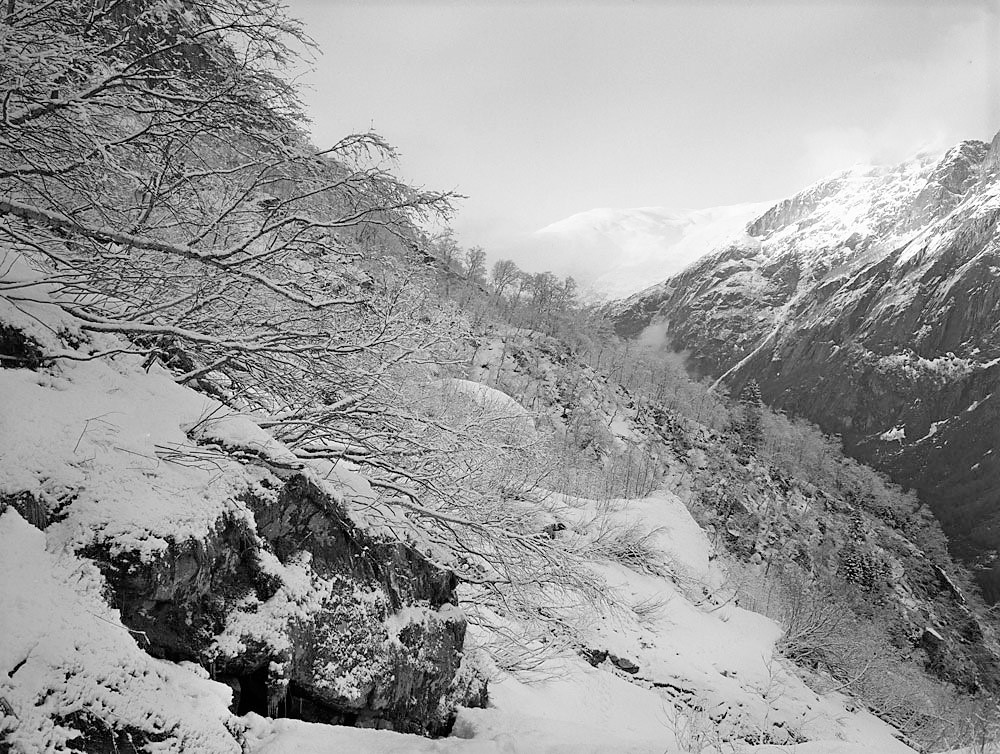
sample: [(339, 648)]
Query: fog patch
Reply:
[(654, 336), (656, 341)]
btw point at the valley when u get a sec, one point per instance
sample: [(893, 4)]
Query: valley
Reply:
[(867, 304), (286, 465)]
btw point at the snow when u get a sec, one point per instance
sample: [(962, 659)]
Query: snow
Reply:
[(933, 429), (721, 656), (266, 623), (935, 634), (581, 709), (530, 736), (812, 231), (621, 428), (98, 430), (65, 651), (914, 250), (232, 430), (678, 535), (945, 367), (493, 400), (296, 737), (421, 615), (584, 710), (897, 433), (132, 460), (110, 440), (707, 674)]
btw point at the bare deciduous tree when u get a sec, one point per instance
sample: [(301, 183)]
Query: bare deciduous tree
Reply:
[(154, 174)]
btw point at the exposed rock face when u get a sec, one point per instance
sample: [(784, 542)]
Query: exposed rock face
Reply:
[(385, 644), (373, 638), (870, 304), (179, 601), (97, 738), (303, 516), (17, 349)]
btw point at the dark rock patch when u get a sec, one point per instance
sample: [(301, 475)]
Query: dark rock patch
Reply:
[(178, 601), (31, 509), (18, 350), (100, 737)]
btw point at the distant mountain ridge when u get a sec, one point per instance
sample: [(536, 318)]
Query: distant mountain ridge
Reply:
[(870, 304), (616, 252)]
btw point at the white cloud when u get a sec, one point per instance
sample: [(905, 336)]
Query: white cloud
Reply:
[(945, 97)]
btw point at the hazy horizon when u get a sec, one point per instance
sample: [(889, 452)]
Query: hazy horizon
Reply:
[(540, 111)]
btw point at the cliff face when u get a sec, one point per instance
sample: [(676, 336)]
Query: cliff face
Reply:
[(870, 304)]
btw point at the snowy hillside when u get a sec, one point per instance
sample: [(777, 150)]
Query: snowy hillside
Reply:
[(689, 676), (178, 582), (281, 472), (689, 670), (615, 252), (160, 537)]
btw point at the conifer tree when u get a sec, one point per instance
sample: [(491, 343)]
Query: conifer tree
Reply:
[(748, 424)]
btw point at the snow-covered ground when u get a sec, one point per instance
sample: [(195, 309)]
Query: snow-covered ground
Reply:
[(683, 670), (706, 677)]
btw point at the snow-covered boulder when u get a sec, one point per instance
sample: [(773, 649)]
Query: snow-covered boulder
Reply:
[(214, 565)]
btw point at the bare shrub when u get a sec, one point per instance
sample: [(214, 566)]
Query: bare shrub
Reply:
[(854, 656), (625, 541), (650, 610)]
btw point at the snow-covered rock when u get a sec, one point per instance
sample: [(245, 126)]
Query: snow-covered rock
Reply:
[(74, 675), (697, 674)]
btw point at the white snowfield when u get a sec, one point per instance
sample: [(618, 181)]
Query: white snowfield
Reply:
[(117, 440)]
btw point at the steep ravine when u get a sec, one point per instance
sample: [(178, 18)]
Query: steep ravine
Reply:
[(869, 304)]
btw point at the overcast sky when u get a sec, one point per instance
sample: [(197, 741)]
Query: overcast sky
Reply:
[(538, 110)]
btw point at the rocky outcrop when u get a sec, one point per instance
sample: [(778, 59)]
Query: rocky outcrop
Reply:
[(96, 737), (372, 637), (992, 163), (384, 644), (949, 181), (304, 516), (869, 304)]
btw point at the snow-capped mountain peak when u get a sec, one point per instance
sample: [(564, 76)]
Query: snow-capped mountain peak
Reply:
[(868, 302), (615, 252)]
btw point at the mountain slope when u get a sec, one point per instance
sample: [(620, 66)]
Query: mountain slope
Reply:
[(868, 303), (616, 252), (181, 573)]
